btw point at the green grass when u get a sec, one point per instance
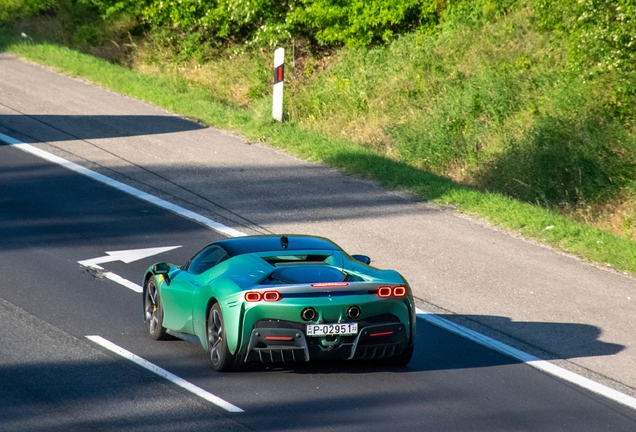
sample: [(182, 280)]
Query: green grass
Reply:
[(192, 100), (495, 106)]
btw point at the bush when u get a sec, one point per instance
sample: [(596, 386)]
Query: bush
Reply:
[(601, 36), (191, 27), (185, 24), (364, 22), (15, 9)]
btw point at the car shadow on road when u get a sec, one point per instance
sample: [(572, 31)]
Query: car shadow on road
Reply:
[(440, 349)]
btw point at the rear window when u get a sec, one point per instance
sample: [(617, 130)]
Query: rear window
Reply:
[(305, 274)]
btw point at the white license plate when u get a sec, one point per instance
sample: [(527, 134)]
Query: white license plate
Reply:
[(344, 329)]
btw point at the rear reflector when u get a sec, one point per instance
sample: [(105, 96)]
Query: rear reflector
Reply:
[(252, 296), (399, 291), (381, 334), (330, 284), (278, 338), (384, 292), (271, 296)]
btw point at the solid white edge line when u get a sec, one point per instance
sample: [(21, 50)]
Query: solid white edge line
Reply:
[(216, 226), (530, 360), (125, 282), (165, 374), (486, 341)]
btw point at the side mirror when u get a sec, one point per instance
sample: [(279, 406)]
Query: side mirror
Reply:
[(362, 258), (162, 269)]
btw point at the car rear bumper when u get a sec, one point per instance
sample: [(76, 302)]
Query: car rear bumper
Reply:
[(285, 341)]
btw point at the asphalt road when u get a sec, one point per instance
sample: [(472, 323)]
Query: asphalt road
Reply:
[(53, 378), (526, 295)]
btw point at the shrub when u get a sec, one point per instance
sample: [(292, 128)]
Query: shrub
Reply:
[(363, 22), (186, 23), (602, 42), (15, 9)]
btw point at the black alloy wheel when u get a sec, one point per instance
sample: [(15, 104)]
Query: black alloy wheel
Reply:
[(153, 311), (220, 356)]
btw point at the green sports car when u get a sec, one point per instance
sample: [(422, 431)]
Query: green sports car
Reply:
[(269, 299)]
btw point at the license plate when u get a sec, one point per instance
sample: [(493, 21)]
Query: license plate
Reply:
[(344, 329)]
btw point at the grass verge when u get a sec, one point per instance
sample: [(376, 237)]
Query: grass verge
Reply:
[(190, 100)]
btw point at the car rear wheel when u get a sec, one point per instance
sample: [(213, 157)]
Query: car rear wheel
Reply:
[(220, 356), (153, 311)]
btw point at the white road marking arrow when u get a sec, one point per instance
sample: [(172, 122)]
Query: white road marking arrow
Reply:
[(126, 256)]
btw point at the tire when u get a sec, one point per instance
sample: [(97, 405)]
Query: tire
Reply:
[(153, 311), (220, 357)]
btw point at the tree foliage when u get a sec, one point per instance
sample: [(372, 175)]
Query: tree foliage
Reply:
[(353, 23), (602, 34), (602, 42), (255, 22), (364, 22), (15, 9)]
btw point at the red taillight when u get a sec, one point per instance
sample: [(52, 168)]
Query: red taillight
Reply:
[(330, 284), (387, 333), (278, 338), (271, 296), (255, 296), (399, 291), (384, 292), (252, 296)]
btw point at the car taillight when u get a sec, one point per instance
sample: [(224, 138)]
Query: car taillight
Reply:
[(253, 296), (385, 291), (271, 296), (399, 291)]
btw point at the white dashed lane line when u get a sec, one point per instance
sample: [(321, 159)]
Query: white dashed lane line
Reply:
[(165, 374)]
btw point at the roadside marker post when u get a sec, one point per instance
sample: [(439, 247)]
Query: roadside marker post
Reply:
[(279, 75)]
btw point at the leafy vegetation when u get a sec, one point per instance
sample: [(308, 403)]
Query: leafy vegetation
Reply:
[(363, 22), (470, 103), (16, 9), (496, 106), (601, 37), (196, 28)]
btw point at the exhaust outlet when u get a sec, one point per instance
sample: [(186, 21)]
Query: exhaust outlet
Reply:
[(308, 314), (353, 312)]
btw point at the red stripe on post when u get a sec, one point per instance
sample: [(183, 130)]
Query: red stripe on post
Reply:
[(279, 74)]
